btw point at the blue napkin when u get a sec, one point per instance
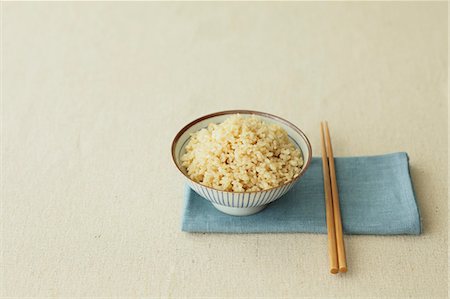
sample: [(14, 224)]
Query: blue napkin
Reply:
[(376, 198)]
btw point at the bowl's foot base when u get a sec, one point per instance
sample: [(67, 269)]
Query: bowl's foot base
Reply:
[(239, 211)]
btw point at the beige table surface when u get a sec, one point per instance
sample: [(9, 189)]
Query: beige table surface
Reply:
[(93, 94)]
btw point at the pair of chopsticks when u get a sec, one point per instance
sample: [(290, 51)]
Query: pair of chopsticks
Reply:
[(336, 248)]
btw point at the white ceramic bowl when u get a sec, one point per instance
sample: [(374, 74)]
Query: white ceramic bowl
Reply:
[(239, 203)]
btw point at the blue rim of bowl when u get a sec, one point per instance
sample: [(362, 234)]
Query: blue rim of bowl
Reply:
[(306, 164)]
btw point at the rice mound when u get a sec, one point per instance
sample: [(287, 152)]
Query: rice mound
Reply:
[(242, 154)]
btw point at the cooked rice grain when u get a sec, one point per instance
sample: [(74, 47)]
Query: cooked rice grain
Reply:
[(242, 154)]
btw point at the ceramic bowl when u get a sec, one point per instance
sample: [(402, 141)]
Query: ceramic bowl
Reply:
[(239, 203)]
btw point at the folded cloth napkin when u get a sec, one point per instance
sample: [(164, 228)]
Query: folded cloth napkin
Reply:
[(376, 198)]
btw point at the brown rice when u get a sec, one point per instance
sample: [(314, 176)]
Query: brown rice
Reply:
[(242, 154)]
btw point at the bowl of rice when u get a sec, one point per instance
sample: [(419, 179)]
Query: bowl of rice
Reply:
[(241, 160)]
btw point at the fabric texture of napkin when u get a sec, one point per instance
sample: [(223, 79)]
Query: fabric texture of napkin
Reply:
[(376, 198)]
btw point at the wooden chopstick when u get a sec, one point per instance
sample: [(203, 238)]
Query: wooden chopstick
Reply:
[(336, 209), (332, 252)]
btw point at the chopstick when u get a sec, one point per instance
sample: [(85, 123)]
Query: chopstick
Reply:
[(332, 251), (336, 248), (336, 208)]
